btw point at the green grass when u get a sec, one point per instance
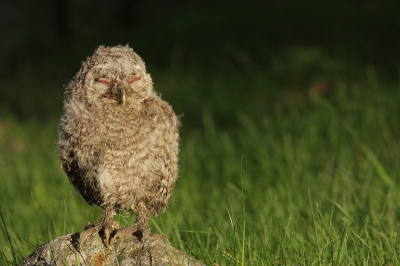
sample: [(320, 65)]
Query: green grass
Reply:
[(306, 181)]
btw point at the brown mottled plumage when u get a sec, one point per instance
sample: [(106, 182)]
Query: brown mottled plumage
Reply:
[(118, 139)]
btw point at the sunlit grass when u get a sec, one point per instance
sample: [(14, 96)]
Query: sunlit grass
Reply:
[(312, 183)]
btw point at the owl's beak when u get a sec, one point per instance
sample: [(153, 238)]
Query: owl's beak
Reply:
[(123, 96), (120, 89)]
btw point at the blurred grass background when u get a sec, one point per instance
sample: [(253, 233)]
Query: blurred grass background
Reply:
[(290, 137)]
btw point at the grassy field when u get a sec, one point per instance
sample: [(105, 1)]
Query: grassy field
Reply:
[(298, 177)]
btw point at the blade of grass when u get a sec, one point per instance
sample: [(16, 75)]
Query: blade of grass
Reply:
[(7, 235), (244, 213), (378, 166)]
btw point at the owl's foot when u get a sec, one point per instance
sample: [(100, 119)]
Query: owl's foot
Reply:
[(107, 229), (147, 234), (91, 229), (141, 233), (107, 225), (125, 232), (141, 228)]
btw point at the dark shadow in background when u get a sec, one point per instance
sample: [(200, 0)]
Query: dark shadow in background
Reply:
[(43, 42)]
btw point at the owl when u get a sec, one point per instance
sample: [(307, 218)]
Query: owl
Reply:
[(118, 140)]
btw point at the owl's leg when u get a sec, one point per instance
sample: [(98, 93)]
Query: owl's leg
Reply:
[(142, 224), (142, 220)]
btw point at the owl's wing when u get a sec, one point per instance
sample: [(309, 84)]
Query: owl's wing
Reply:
[(78, 178), (166, 161)]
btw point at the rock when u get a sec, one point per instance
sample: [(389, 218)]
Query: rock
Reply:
[(66, 250)]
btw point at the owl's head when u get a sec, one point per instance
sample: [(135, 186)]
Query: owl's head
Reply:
[(113, 76)]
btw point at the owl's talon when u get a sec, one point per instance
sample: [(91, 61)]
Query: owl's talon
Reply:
[(91, 229), (108, 229)]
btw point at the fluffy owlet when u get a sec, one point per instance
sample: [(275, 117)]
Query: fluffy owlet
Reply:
[(118, 139)]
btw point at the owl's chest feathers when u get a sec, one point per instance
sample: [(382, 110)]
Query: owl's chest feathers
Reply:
[(121, 134)]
